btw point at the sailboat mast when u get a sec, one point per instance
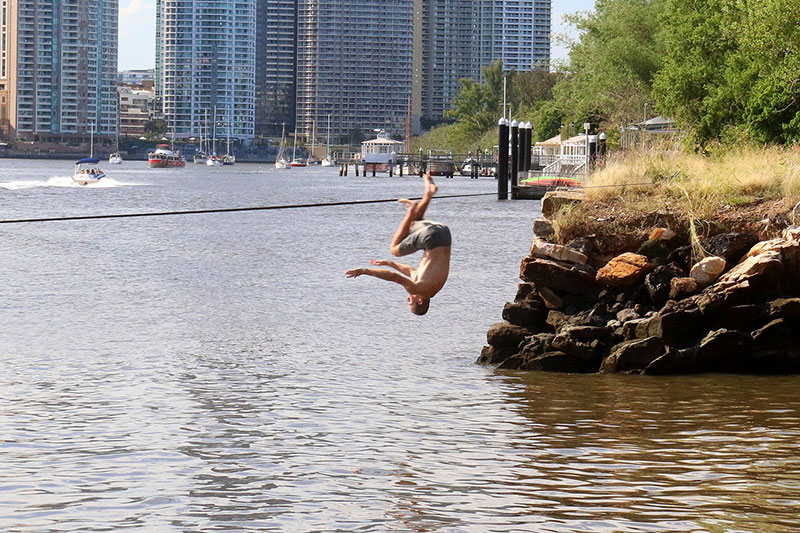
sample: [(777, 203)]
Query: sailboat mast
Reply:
[(328, 143), (214, 133), (91, 139)]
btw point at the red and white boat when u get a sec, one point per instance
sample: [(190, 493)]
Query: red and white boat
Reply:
[(165, 157)]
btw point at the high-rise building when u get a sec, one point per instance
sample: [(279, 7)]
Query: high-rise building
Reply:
[(448, 53), (359, 62), (58, 67), (205, 67), (516, 31), (276, 54)]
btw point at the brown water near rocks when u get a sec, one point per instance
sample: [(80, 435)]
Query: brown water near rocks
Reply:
[(219, 373)]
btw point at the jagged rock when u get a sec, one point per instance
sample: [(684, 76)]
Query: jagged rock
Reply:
[(626, 315), (707, 270), (624, 270), (491, 355), (655, 250), (658, 283), (632, 355), (574, 279), (742, 317), (674, 361), (586, 333), (556, 319), (722, 350), (537, 345), (681, 288), (584, 245), (529, 314), (551, 300), (556, 252), (559, 362), (506, 335), (730, 246), (763, 270), (681, 255), (786, 308), (553, 201), (543, 228), (676, 327), (630, 327), (525, 291), (776, 335), (586, 351)]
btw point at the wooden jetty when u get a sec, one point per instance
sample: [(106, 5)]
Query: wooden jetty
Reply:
[(417, 164)]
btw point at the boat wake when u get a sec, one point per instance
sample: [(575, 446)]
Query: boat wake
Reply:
[(61, 181)]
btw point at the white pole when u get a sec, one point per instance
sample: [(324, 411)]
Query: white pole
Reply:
[(504, 97)]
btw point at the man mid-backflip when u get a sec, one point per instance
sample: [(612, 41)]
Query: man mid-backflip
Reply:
[(413, 234)]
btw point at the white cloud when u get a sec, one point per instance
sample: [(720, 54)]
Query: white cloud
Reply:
[(134, 8)]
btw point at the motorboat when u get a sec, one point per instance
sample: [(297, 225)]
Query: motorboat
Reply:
[(115, 159), (165, 157), (298, 162), (327, 162), (87, 170)]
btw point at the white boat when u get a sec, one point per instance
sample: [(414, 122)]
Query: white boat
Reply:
[(467, 167), (200, 158), (87, 170), (328, 161), (214, 161), (282, 162), (115, 159), (296, 162)]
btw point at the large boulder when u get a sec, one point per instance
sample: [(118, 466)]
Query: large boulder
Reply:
[(571, 278), (634, 355), (506, 335), (707, 270), (722, 350), (554, 201), (625, 270), (528, 314), (763, 270)]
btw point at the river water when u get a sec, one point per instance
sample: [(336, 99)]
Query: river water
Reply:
[(218, 372)]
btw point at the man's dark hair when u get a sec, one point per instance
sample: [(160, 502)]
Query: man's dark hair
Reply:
[(421, 309)]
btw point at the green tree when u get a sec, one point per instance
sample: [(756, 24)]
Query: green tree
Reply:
[(611, 66), (155, 128), (478, 106)]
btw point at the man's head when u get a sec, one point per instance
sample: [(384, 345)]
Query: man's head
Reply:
[(418, 304)]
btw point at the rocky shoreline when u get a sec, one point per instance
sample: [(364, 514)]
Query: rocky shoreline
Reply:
[(727, 303)]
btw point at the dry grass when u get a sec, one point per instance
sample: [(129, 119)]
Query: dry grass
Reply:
[(689, 193)]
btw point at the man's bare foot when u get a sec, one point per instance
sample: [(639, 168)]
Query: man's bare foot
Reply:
[(430, 186), (410, 204)]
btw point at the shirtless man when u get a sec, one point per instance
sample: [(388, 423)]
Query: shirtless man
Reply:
[(413, 234)]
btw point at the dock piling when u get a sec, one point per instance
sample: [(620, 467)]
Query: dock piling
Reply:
[(502, 163)]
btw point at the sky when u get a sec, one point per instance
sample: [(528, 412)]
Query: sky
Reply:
[(137, 25)]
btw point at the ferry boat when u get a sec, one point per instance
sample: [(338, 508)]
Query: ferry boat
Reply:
[(165, 157), (87, 171)]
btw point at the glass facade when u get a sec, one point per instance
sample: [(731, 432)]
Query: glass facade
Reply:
[(355, 63), (66, 75), (205, 67), (276, 52)]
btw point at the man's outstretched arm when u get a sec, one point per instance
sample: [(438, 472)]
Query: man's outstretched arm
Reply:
[(388, 275), (400, 267)]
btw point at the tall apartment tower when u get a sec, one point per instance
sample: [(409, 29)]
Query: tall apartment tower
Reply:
[(58, 68), (359, 62), (276, 65), (448, 53), (205, 67), (516, 31)]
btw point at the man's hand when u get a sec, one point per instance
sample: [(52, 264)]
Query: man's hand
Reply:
[(379, 262), (354, 273)]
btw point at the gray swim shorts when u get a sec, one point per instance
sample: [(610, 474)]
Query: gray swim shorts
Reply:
[(425, 235)]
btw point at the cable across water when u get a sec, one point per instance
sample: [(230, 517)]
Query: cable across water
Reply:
[(224, 210)]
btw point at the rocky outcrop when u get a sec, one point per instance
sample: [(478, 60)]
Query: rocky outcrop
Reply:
[(660, 310)]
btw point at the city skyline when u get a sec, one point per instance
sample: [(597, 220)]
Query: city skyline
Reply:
[(137, 30)]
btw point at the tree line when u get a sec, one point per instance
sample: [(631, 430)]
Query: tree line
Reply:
[(726, 70)]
